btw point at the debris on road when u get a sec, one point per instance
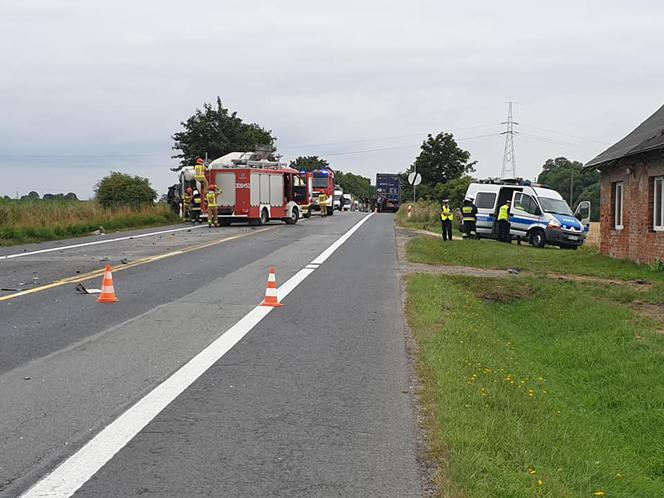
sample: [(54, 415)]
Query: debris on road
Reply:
[(81, 289), (515, 271), (124, 261)]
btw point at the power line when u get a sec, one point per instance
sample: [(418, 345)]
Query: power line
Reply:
[(378, 139), (565, 134), (556, 142), (403, 146)]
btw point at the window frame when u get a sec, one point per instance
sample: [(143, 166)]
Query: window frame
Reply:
[(618, 201), (658, 180)]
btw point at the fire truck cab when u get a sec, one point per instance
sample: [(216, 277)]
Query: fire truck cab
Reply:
[(256, 191), (323, 182)]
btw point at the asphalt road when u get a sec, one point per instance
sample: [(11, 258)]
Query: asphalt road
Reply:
[(313, 401)]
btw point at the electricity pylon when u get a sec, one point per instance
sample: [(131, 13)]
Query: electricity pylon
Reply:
[(509, 160)]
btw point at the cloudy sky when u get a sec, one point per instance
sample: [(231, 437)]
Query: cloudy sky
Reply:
[(87, 87)]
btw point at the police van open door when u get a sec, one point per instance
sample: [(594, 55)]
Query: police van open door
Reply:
[(582, 213)]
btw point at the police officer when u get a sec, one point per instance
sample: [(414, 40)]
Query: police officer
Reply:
[(469, 218), (504, 222), (446, 217), (196, 207), (212, 206)]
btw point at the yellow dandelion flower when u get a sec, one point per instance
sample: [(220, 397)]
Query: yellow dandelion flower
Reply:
[(532, 471), (599, 492), (619, 476), (540, 482)]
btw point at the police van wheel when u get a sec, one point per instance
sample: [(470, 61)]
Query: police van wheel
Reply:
[(537, 238)]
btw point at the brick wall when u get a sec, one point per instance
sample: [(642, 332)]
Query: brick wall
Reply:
[(636, 240)]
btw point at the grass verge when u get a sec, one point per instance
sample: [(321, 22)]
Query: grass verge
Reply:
[(538, 388), (26, 221), (492, 254)]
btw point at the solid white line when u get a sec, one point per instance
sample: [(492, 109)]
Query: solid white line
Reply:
[(96, 242), (328, 252), (70, 475)]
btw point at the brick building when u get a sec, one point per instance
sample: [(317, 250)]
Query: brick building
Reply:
[(632, 193)]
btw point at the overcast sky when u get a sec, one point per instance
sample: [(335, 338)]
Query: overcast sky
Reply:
[(88, 87)]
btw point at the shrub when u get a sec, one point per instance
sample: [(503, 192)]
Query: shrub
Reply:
[(120, 189)]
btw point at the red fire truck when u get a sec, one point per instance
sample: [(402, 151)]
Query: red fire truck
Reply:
[(256, 191), (323, 182)]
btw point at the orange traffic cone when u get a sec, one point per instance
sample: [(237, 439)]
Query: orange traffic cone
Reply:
[(107, 293), (271, 291)]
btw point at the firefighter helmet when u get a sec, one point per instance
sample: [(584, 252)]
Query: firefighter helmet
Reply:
[(199, 161), (213, 187), (189, 191)]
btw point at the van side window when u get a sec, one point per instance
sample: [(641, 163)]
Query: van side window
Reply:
[(526, 203), (485, 200)]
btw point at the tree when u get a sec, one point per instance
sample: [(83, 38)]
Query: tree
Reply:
[(358, 186), (216, 131), (442, 160), (120, 189), (71, 196), (566, 177), (32, 195), (309, 163)]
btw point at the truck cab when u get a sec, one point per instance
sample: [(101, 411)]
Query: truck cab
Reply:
[(323, 182)]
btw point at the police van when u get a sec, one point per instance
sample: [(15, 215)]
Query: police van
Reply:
[(538, 214)]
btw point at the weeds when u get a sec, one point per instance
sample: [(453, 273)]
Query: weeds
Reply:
[(24, 221)]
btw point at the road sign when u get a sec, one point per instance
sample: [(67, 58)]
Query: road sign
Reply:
[(414, 179)]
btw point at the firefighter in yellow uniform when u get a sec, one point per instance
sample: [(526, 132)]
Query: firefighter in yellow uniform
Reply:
[(212, 206), (446, 217), (322, 202), (199, 175), (186, 204)]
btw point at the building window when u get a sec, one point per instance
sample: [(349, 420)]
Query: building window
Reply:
[(618, 205), (658, 204)]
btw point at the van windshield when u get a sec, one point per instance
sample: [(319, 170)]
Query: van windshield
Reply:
[(555, 206)]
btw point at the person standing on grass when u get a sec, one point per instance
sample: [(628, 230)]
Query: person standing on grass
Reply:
[(504, 222), (446, 217), (469, 218)]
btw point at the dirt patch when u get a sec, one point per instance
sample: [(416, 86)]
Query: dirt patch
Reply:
[(652, 311), (500, 291), (642, 285)]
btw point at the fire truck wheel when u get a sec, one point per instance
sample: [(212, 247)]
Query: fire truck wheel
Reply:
[(264, 217), (307, 214), (330, 211), (295, 215), (225, 223)]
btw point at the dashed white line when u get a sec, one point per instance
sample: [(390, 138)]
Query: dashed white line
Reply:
[(70, 475)]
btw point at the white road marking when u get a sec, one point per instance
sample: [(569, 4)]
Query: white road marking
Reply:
[(70, 475), (96, 242)]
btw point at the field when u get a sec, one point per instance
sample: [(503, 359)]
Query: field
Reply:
[(23, 221), (535, 386)]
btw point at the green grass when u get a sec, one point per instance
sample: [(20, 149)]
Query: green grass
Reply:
[(24, 221), (536, 374), (492, 254)]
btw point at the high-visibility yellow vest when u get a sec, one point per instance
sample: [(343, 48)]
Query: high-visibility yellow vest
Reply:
[(199, 172), (467, 213), (322, 199), (503, 214), (186, 199), (446, 214), (211, 199), (197, 203)]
